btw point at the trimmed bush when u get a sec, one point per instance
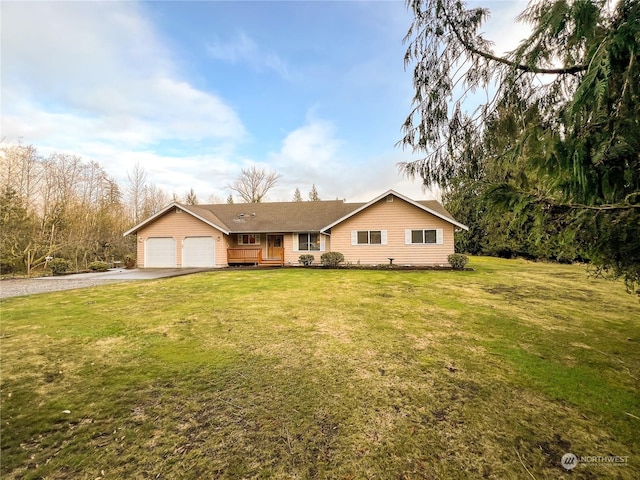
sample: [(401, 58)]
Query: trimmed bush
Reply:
[(457, 261), (306, 259), (98, 266), (59, 266), (129, 262), (332, 259)]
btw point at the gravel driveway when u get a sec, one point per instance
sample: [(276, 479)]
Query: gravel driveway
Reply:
[(15, 287)]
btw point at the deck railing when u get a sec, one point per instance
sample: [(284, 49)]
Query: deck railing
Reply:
[(252, 255), (244, 255)]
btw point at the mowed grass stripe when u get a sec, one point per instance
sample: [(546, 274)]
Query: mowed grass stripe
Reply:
[(307, 373)]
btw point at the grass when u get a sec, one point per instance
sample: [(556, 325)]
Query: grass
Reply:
[(294, 373)]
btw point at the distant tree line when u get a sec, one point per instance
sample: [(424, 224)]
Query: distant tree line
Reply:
[(58, 206), (61, 206)]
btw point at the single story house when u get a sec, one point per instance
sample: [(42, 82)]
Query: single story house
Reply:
[(391, 226)]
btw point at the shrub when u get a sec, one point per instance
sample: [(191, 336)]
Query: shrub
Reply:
[(306, 259), (332, 259), (129, 262), (59, 266), (457, 261), (99, 266), (7, 267)]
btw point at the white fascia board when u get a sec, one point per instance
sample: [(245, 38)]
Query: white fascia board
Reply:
[(402, 197), (208, 222), (150, 219), (166, 209)]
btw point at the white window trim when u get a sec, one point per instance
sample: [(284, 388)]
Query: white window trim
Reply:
[(408, 237), (296, 242), (354, 238), (257, 235)]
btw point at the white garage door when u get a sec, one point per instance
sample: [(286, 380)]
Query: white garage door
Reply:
[(160, 252), (198, 252)]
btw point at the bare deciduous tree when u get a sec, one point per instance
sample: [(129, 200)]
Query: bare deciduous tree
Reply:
[(20, 171), (155, 198), (59, 206), (253, 184), (136, 182)]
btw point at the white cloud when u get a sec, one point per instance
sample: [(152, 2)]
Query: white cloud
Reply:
[(310, 146), (87, 72), (502, 28), (314, 154), (243, 49), (206, 174), (95, 79)]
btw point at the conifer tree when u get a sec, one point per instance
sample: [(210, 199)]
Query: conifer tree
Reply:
[(313, 194), (555, 150)]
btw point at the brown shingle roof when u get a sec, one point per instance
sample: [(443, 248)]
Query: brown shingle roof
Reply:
[(275, 216), (287, 216), (436, 207)]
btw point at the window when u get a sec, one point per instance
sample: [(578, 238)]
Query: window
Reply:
[(309, 242), (363, 237), (248, 239), (369, 237), (430, 236)]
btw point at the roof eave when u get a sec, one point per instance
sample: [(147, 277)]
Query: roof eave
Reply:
[(224, 229), (276, 231), (402, 197), (150, 219), (165, 210)]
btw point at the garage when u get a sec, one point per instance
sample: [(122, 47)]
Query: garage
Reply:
[(160, 252), (198, 252)]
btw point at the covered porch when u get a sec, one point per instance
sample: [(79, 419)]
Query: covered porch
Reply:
[(250, 251)]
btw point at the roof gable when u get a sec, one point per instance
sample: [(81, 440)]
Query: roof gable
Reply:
[(431, 206), (207, 217)]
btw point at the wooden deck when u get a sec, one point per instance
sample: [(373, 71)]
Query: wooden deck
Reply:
[(253, 256)]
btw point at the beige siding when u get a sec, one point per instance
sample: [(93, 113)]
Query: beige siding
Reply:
[(179, 226), (394, 217), (232, 242), (291, 255)]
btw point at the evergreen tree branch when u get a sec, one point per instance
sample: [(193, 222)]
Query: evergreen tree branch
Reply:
[(506, 193), (572, 70)]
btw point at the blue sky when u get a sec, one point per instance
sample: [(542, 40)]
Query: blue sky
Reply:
[(195, 91)]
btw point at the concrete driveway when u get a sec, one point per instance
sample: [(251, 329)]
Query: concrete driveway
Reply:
[(26, 286)]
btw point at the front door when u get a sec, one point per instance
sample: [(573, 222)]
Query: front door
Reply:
[(275, 249)]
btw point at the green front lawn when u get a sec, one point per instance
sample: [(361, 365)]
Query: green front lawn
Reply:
[(296, 373)]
